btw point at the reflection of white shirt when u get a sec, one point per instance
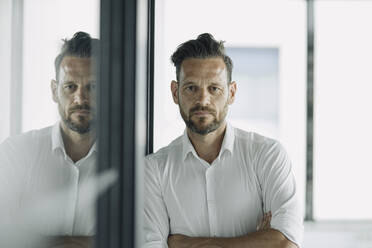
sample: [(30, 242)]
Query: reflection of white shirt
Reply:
[(251, 175), (35, 172)]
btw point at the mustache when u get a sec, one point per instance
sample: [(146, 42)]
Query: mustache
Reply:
[(202, 108), (80, 107)]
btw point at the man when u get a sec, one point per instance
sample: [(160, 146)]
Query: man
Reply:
[(216, 185), (52, 164)]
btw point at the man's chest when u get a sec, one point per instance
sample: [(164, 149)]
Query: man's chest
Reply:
[(221, 200), (52, 188)]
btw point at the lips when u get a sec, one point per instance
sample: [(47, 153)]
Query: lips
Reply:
[(202, 113), (81, 111)]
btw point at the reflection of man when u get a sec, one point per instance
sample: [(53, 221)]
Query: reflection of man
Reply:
[(216, 185), (59, 158)]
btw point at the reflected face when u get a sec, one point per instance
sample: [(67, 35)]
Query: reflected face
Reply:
[(203, 94), (75, 93)]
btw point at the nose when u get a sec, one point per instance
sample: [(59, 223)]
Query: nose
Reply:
[(81, 96), (203, 97)]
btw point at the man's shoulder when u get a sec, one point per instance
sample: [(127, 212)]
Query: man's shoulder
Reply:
[(28, 139), (252, 138), (174, 148), (264, 152)]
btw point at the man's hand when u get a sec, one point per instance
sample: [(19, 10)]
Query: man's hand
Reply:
[(264, 224), (177, 240)]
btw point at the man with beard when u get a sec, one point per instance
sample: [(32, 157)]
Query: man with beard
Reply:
[(52, 164), (216, 185)]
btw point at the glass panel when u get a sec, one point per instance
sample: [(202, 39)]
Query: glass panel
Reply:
[(342, 161), (256, 107), (46, 23), (269, 56), (5, 69), (47, 166)]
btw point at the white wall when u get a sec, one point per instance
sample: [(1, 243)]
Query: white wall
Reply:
[(5, 72), (253, 23), (46, 23), (343, 103)]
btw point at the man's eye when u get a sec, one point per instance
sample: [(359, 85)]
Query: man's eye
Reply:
[(70, 87), (191, 88), (214, 89)]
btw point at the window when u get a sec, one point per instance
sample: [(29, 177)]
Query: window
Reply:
[(256, 106), (253, 30), (342, 123), (45, 24)]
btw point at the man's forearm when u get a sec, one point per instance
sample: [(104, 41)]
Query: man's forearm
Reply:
[(263, 238), (68, 242)]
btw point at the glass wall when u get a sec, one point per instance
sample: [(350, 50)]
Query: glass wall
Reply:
[(46, 23), (46, 191), (267, 43), (343, 120), (5, 68)]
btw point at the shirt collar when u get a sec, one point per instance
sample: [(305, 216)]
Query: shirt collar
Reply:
[(228, 140), (227, 143), (57, 141), (187, 147)]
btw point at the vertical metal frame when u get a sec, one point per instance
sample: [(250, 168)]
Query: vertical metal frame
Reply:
[(150, 79), (122, 120), (309, 216)]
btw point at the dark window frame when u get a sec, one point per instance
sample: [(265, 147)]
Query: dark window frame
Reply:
[(120, 116), (309, 211)]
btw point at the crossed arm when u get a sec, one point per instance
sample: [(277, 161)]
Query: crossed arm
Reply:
[(68, 242), (278, 195), (264, 237)]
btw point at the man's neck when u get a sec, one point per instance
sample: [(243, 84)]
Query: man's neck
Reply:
[(77, 145), (208, 146)]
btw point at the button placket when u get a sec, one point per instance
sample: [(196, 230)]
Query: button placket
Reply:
[(74, 191), (210, 184)]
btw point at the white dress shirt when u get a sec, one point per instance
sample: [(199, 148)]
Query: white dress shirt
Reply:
[(252, 175), (36, 173)]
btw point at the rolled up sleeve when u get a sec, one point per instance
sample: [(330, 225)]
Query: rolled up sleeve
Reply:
[(156, 216), (279, 192)]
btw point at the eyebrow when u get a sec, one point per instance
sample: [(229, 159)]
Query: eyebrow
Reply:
[(217, 84), (188, 83), (73, 82), (211, 84)]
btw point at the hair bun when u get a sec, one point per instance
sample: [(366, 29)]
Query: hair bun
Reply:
[(81, 35), (205, 36)]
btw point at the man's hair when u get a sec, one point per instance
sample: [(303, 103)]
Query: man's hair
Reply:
[(81, 45), (205, 46)]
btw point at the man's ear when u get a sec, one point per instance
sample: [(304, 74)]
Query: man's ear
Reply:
[(174, 89), (54, 88), (232, 91)]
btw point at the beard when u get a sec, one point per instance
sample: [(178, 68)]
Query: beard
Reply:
[(83, 125), (199, 126)]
